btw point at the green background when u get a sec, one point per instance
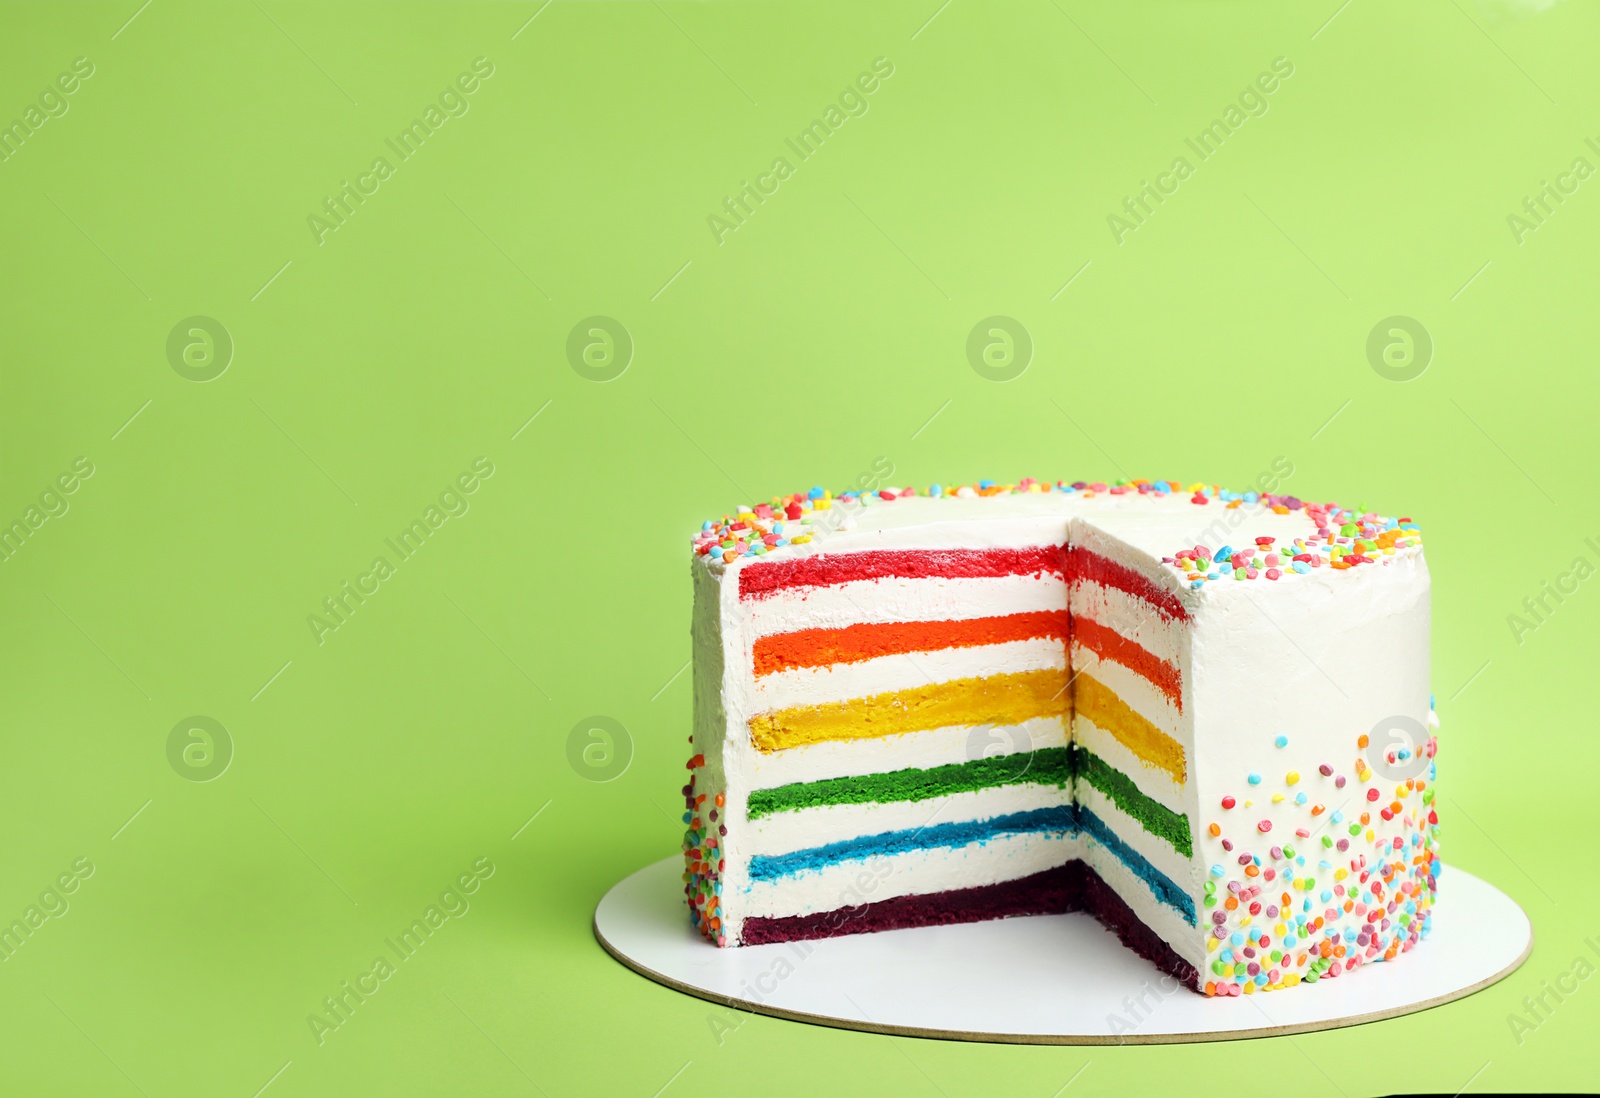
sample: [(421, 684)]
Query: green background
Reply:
[(826, 334)]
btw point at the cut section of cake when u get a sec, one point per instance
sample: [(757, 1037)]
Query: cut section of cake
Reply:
[(916, 709)]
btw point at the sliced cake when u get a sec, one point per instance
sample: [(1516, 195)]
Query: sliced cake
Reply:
[(1201, 716)]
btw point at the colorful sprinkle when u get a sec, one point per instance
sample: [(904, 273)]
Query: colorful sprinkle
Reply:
[(1362, 539), (1331, 913)]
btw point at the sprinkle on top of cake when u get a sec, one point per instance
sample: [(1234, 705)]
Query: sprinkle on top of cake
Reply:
[(1343, 538)]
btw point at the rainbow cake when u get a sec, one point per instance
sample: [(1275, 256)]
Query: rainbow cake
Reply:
[(1201, 716)]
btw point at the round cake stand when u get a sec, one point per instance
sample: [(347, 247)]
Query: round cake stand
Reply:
[(1047, 979)]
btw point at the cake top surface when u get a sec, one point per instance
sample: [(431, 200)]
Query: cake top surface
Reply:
[(1204, 533)]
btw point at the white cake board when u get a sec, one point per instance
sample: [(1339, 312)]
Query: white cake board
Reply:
[(1046, 979)]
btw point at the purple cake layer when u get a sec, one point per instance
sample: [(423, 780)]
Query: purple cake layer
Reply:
[(1098, 899), (1047, 893), (1066, 888)]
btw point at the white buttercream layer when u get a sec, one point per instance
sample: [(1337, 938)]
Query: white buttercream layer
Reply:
[(1140, 694), (1137, 620), (913, 873), (937, 747), (883, 601), (1152, 848), (808, 828), (1154, 782), (1166, 921)]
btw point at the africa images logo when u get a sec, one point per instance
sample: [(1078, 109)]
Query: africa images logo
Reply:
[(1141, 205), (53, 102), (452, 102), (853, 102), (339, 607), (452, 905)]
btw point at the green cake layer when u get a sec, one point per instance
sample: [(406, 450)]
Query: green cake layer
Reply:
[(1057, 766)]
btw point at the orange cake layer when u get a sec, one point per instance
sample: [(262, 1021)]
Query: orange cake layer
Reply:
[(854, 643), (1108, 644)]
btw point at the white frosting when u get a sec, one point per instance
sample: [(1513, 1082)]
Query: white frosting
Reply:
[(1154, 524)]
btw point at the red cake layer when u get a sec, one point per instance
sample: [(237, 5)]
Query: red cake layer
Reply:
[(1066, 888), (758, 580), (827, 570), (1084, 565), (1108, 644)]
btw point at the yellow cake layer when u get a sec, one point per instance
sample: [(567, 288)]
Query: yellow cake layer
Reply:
[(1100, 704), (991, 699)]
